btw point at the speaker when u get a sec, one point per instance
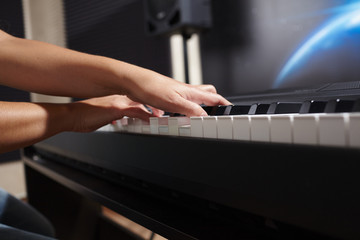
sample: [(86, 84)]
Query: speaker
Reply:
[(176, 16)]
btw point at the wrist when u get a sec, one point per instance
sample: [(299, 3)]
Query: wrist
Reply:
[(59, 117), (117, 75)]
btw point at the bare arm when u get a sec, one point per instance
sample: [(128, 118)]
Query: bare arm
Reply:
[(45, 68), (22, 124)]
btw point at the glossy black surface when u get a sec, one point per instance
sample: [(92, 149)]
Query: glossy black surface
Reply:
[(314, 188), (60, 192), (284, 107)]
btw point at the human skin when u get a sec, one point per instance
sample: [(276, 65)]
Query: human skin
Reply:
[(113, 89)]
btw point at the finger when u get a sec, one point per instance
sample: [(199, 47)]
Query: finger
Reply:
[(208, 98), (206, 87), (138, 113), (216, 100), (134, 110), (190, 105), (188, 108), (156, 112)]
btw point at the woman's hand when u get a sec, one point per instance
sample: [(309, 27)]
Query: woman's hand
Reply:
[(151, 88), (23, 123), (91, 114), (44, 68)]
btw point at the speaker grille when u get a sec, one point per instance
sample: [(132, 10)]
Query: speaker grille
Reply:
[(115, 29)]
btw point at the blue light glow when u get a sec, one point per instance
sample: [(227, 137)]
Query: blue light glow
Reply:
[(347, 19)]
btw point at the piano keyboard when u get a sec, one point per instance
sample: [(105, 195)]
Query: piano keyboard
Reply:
[(334, 123)]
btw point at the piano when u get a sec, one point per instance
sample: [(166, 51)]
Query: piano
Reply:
[(286, 164)]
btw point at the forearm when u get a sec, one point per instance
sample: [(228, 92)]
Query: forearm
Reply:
[(22, 124), (44, 68)]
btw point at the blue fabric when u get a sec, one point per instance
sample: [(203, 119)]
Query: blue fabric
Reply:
[(16, 215), (10, 233), (3, 198)]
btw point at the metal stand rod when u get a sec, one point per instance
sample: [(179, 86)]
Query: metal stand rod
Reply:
[(186, 37)]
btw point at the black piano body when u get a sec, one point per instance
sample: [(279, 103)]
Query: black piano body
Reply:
[(310, 188), (274, 188)]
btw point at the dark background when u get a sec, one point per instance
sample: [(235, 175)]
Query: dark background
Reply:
[(115, 29), (249, 43), (251, 40)]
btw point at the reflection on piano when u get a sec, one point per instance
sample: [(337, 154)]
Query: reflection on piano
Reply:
[(290, 159)]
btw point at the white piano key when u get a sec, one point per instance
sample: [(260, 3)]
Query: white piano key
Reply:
[(164, 125), (185, 131), (260, 128), (123, 122), (146, 129), (196, 124), (225, 127), (105, 128), (209, 127), (305, 129), (138, 125), (241, 128), (131, 125), (163, 130), (281, 128), (175, 123), (354, 130), (154, 125), (333, 129), (145, 126), (164, 120), (156, 122), (117, 126)]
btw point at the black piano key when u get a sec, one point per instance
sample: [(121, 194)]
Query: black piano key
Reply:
[(272, 108), (313, 107), (221, 110), (290, 107), (338, 106), (344, 106), (240, 109), (176, 115), (330, 106), (317, 107), (252, 109), (305, 107), (356, 107), (284, 107), (260, 108), (208, 109)]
